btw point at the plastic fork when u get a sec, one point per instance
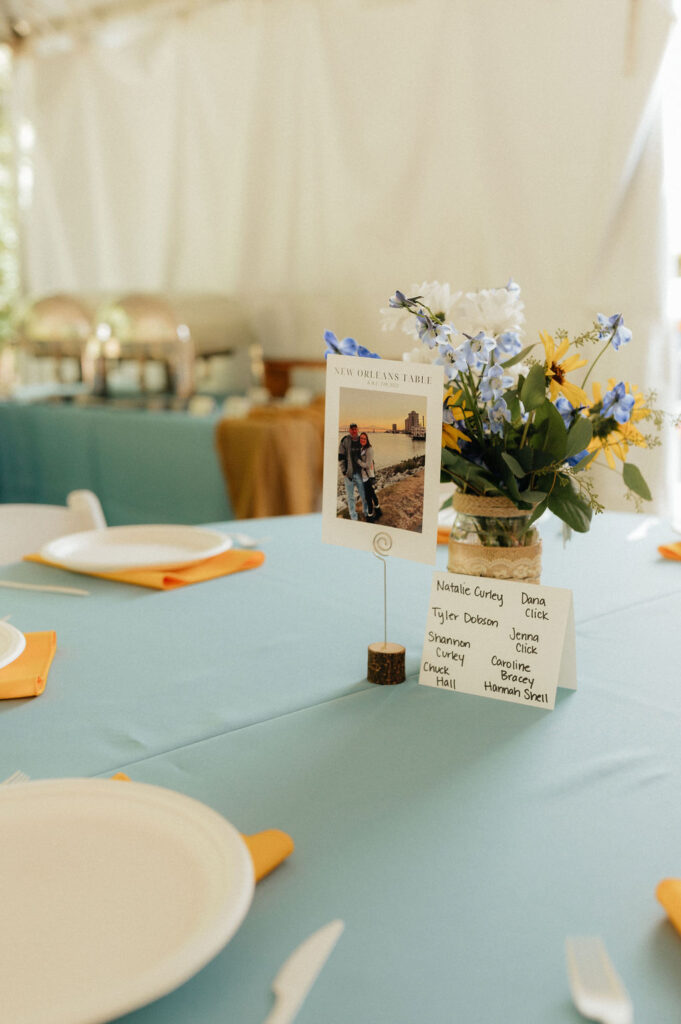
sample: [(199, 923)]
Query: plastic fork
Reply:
[(15, 777), (597, 991)]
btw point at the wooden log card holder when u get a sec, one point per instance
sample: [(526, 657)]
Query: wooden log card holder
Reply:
[(386, 664), (386, 660)]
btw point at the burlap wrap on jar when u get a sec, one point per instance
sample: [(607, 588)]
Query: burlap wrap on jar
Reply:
[(498, 518)]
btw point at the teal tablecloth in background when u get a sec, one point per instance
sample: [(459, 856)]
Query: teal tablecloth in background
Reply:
[(460, 839), (144, 466)]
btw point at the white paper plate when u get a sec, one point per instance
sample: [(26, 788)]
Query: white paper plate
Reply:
[(135, 547), (111, 895), (12, 644)]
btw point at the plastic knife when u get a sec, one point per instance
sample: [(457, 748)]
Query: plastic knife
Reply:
[(298, 974)]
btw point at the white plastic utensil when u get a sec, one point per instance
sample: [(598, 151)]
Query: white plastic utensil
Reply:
[(244, 540), (15, 778), (298, 974), (74, 591), (597, 991)]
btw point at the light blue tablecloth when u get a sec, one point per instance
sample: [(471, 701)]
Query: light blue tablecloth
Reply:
[(144, 466), (460, 839)]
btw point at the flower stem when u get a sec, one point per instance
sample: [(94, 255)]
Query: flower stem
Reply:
[(530, 417), (607, 345)]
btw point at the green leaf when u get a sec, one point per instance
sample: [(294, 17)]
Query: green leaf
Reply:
[(540, 460), (513, 465), (633, 478), (449, 458), (539, 511), (551, 434), (579, 436), (565, 503), (533, 391), (512, 487), (460, 469), (447, 503), (532, 496), (583, 463), (513, 404), (520, 356)]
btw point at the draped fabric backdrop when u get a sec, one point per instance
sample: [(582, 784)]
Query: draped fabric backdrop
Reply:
[(310, 156)]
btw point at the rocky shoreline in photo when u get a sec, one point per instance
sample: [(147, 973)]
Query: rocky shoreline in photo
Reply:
[(399, 490)]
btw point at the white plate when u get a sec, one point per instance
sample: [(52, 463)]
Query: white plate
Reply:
[(111, 895), (135, 547), (12, 644)]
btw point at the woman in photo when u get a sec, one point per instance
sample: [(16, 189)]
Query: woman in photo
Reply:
[(366, 462)]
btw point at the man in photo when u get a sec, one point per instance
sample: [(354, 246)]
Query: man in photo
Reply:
[(349, 454)]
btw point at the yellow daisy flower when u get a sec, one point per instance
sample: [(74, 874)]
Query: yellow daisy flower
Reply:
[(451, 437), (450, 434), (557, 369), (617, 442)]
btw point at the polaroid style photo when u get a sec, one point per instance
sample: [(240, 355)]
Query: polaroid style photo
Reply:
[(382, 440)]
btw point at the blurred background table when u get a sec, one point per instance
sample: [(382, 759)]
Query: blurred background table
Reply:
[(460, 839), (144, 466)]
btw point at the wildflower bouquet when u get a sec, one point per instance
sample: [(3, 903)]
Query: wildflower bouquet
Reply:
[(516, 425)]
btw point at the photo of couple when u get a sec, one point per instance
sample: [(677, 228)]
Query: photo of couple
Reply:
[(381, 458), (356, 463)]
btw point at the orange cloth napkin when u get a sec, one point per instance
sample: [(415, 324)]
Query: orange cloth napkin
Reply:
[(672, 551), (170, 579), (443, 534), (668, 893), (267, 849), (26, 675)]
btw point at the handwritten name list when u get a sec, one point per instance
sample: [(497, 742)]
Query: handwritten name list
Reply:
[(499, 638)]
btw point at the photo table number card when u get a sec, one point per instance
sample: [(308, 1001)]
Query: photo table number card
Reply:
[(499, 638), (383, 429)]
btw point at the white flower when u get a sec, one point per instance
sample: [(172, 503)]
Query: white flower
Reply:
[(436, 296), (421, 354), (493, 310)]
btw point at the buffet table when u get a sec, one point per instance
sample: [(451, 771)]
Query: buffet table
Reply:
[(144, 466), (460, 839)]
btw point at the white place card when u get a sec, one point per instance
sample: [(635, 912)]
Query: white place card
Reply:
[(382, 444), (499, 638)]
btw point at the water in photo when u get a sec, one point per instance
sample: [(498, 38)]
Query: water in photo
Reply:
[(381, 458)]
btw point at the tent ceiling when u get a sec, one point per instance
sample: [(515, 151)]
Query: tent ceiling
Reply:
[(26, 19)]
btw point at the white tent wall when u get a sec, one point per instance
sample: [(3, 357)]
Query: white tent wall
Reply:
[(310, 156)]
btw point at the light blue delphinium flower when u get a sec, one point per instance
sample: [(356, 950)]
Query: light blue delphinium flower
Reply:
[(494, 382), (566, 410), (452, 371), (477, 350), (508, 344), (496, 415), (618, 404), (400, 301), (447, 414), (615, 322), (574, 459), (432, 332), (346, 347), (452, 359)]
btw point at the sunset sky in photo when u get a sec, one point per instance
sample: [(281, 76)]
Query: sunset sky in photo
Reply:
[(377, 410)]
